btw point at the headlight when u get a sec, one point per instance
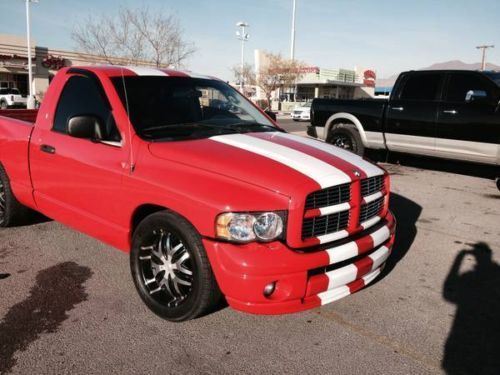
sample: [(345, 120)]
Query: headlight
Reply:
[(246, 227)]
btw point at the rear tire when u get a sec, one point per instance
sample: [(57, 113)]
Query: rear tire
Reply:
[(3, 104), (171, 270), (346, 136), (497, 181), (11, 211)]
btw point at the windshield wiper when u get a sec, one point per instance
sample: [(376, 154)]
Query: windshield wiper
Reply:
[(257, 124), (185, 126)]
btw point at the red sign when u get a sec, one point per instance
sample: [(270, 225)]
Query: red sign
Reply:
[(309, 69), (369, 78), (370, 74), (52, 62)]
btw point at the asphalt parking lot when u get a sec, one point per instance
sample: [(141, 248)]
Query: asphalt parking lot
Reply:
[(68, 304)]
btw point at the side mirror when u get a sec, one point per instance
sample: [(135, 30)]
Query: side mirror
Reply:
[(271, 114), (86, 126), (475, 96)]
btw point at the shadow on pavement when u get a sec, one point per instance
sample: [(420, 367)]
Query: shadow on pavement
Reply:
[(406, 213), (442, 165), (473, 345), (57, 290), (31, 218)]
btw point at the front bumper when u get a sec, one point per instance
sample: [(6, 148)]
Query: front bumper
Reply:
[(301, 116), (303, 280)]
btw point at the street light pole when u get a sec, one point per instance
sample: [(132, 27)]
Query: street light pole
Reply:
[(292, 47), (31, 99), (243, 36), (483, 61)]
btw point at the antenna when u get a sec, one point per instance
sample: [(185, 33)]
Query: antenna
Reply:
[(129, 125)]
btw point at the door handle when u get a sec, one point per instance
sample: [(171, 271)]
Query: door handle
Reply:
[(48, 149), (400, 109), (450, 112)]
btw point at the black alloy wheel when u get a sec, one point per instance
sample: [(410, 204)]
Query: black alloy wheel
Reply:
[(2, 203), (343, 141), (170, 268), (346, 136), (11, 211)]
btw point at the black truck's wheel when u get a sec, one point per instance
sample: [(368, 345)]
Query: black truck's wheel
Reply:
[(346, 136), (497, 180), (11, 211), (170, 268)]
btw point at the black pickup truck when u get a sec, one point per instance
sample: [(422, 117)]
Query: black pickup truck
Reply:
[(449, 114)]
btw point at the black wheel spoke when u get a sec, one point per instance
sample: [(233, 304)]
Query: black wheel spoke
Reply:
[(2, 202)]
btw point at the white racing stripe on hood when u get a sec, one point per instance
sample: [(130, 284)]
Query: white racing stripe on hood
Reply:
[(357, 161), (145, 71), (324, 174)]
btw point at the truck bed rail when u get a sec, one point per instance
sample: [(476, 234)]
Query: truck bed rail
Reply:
[(28, 115)]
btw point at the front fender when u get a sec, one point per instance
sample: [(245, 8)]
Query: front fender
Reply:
[(351, 118)]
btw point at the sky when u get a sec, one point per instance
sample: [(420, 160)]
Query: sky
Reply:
[(387, 35)]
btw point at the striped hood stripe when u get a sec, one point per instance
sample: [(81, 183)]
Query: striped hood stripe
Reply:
[(145, 71), (323, 173), (364, 166)]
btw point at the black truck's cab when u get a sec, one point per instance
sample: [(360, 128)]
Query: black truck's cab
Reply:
[(450, 114)]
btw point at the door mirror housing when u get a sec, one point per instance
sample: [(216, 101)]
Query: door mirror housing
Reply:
[(271, 114), (476, 96), (86, 127)]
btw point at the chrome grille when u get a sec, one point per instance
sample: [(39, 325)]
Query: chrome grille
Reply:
[(321, 225), (371, 209), (329, 196), (372, 185)]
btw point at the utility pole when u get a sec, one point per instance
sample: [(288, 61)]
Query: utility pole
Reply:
[(31, 98), (242, 35), (292, 47), (484, 48)]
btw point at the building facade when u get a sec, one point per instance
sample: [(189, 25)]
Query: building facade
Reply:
[(317, 82), (45, 62)]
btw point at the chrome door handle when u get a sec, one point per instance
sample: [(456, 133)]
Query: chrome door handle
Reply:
[(450, 112), (48, 149), (400, 109)]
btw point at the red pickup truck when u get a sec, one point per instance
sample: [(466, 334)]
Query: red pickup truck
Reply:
[(210, 197)]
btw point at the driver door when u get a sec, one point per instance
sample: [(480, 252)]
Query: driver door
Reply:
[(78, 181)]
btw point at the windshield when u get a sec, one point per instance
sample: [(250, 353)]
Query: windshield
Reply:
[(175, 108), (9, 92), (495, 76)]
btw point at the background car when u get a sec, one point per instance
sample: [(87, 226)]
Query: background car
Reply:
[(302, 113), (12, 98)]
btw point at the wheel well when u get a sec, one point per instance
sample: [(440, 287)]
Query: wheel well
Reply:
[(336, 122), (144, 211)]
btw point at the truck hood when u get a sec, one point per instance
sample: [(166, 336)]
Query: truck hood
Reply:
[(272, 160)]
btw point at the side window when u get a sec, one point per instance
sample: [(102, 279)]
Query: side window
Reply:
[(461, 83), (421, 87), (82, 96)]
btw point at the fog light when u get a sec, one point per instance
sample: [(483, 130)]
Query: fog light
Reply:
[(269, 289)]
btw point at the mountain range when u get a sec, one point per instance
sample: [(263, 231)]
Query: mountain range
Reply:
[(448, 65)]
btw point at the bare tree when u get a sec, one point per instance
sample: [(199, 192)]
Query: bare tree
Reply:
[(138, 36), (248, 74), (277, 72)]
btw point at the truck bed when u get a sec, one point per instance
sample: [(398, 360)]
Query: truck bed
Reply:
[(26, 115), (16, 127), (369, 111)]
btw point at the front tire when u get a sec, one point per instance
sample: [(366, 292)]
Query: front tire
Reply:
[(170, 268), (346, 136), (3, 104), (11, 211)]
